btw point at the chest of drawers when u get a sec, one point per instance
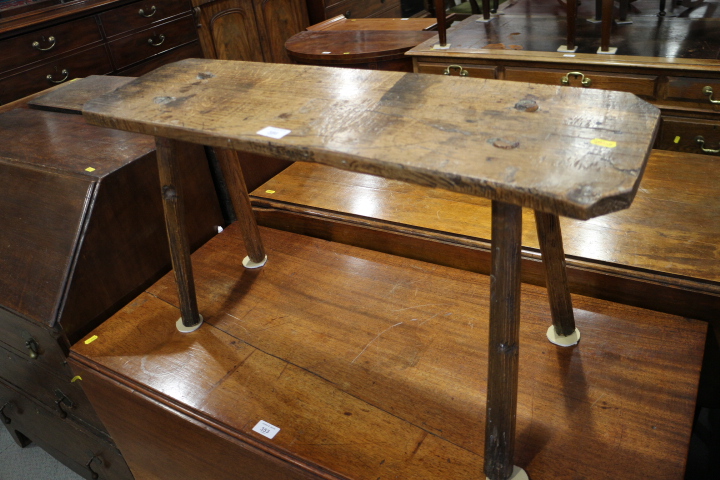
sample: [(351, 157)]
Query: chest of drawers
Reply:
[(686, 90), (93, 37)]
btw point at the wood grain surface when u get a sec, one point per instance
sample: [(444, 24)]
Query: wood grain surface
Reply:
[(671, 229), (71, 98), (374, 366), (429, 130)]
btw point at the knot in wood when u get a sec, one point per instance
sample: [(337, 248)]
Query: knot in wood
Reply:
[(505, 348), (169, 192), (527, 105), (205, 75), (503, 144)]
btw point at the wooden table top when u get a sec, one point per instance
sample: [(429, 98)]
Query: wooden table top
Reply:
[(374, 366), (569, 151)]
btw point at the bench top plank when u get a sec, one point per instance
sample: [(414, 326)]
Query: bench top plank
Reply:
[(569, 151)]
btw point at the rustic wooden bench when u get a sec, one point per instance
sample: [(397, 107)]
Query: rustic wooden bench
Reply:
[(558, 151)]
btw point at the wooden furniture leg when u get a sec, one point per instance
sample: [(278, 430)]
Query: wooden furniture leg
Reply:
[(485, 11), (230, 165), (571, 14), (563, 331), (177, 235), (504, 341), (442, 27), (606, 25)]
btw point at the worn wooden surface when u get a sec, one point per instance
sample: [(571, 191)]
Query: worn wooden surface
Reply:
[(667, 239), (430, 130), (343, 24), (374, 366), (72, 96)]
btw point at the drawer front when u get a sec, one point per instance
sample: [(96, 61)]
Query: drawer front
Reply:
[(63, 439), (141, 14), (89, 62), (33, 342), (641, 85), (153, 41), (48, 42), (681, 134), (58, 393), (190, 50), (358, 8), (458, 69), (694, 92)]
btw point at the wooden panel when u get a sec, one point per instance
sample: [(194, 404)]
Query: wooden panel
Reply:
[(278, 21), (43, 385), (89, 62), (52, 349), (680, 134), (229, 31), (189, 50), (128, 17), (68, 36), (371, 122), (151, 42), (73, 95), (642, 85), (358, 8), (63, 439), (689, 90), (34, 264), (349, 351), (475, 71)]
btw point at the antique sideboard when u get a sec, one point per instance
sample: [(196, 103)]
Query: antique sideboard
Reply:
[(687, 90)]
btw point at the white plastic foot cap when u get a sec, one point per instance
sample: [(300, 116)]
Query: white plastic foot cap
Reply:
[(437, 46), (562, 341), (517, 474), (565, 49), (482, 20), (247, 263), (611, 51), (184, 329)]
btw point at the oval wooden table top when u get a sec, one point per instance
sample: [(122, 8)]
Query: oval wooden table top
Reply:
[(329, 47), (568, 151)]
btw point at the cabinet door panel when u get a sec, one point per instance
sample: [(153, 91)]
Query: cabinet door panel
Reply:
[(279, 20), (228, 31)]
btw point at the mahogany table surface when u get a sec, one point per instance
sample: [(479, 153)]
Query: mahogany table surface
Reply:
[(395, 24), (374, 366), (566, 151)]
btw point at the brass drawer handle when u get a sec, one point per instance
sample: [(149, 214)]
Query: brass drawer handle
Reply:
[(142, 13), (162, 39), (461, 70), (62, 399), (93, 474), (65, 73), (585, 82), (701, 141), (33, 348), (36, 44), (709, 92)]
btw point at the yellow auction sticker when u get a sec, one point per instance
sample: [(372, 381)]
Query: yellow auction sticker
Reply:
[(91, 339), (603, 143), (89, 169)]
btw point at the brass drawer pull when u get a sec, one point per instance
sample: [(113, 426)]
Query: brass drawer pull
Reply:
[(62, 399), (709, 92), (461, 70), (162, 39), (36, 44), (142, 13), (65, 73), (701, 141), (33, 348), (584, 81), (93, 474)]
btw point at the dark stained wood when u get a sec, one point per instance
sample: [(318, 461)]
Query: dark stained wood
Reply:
[(662, 262), (71, 98), (231, 166), (359, 364), (441, 22), (355, 48), (173, 205), (128, 17), (549, 236), (606, 25), (548, 169), (503, 341), (189, 50), (396, 24)]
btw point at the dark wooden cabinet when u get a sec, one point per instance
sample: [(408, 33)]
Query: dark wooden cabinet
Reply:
[(92, 37), (250, 30), (82, 233), (320, 10)]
